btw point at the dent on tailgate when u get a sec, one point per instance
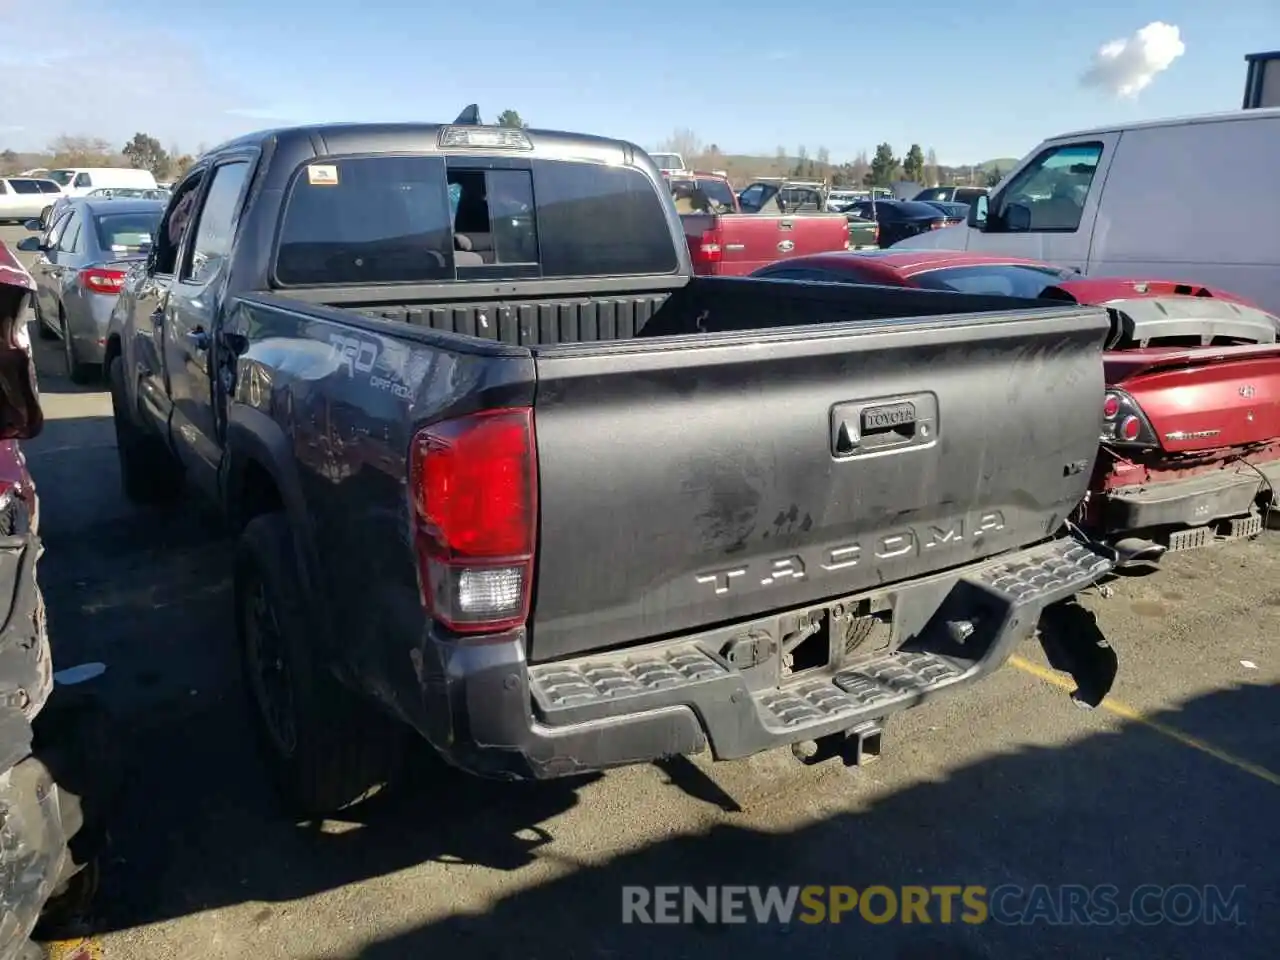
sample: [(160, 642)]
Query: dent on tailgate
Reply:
[(685, 488)]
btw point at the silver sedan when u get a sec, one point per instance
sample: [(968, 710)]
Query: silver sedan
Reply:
[(84, 257)]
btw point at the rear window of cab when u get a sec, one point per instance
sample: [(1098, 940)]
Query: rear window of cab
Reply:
[(402, 220)]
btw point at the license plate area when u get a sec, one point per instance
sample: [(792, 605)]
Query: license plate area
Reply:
[(831, 637)]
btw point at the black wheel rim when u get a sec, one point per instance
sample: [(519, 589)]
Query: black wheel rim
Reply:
[(269, 668)]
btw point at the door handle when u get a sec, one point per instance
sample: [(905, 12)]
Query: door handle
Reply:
[(198, 339), (785, 224)]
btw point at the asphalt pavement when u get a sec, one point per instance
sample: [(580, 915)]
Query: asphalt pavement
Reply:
[(1175, 780)]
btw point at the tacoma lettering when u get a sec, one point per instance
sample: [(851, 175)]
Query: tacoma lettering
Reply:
[(843, 556)]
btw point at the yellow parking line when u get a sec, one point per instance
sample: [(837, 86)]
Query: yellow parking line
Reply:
[(1133, 715), (85, 949)]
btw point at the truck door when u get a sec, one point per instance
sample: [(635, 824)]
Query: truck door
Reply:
[(190, 318)]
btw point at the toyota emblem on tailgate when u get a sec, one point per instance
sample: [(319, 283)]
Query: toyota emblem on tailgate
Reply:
[(1247, 391)]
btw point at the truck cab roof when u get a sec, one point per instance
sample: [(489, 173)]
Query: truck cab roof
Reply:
[(334, 139)]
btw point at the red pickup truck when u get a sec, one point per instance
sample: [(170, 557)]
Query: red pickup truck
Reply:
[(724, 241)]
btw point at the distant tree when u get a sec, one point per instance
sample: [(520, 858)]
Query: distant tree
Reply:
[(913, 164), (931, 168), (824, 160), (178, 166), (70, 151), (145, 153), (9, 161), (994, 176), (684, 142), (859, 169), (884, 167), (801, 168), (509, 118)]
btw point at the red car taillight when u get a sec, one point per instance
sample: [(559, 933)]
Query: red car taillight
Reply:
[(97, 280), (474, 483), (1124, 423)]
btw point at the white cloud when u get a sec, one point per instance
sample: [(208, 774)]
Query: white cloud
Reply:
[(1125, 68)]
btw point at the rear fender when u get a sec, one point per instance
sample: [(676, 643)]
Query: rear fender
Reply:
[(254, 439)]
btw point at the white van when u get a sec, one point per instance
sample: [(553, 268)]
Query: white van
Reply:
[(78, 181), (1143, 201)]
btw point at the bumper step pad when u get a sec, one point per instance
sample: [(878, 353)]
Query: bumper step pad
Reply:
[(691, 673)]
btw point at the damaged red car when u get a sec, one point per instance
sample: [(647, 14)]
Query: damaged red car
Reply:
[(1190, 431)]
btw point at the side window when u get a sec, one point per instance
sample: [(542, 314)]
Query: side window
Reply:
[(48, 186), (83, 180), (215, 222), (1049, 193), (752, 198), (493, 217), (55, 231), (174, 224), (597, 220), (69, 242)]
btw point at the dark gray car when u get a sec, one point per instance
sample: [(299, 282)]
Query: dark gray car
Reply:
[(84, 256)]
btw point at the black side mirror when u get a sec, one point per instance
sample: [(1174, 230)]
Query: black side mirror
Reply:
[(978, 213), (34, 226), (1017, 218), (30, 245)]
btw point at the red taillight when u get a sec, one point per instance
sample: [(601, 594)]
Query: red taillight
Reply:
[(708, 248), (474, 483), (937, 224), (97, 280), (1124, 422), (875, 234)]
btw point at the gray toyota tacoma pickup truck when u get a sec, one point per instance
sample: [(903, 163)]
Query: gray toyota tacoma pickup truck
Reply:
[(504, 472)]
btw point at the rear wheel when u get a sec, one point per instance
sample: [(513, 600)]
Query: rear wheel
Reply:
[(327, 748), (80, 373), (148, 471)]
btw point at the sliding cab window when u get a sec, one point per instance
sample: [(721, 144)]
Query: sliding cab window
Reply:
[(1048, 195), (597, 221), (367, 220), (495, 229)]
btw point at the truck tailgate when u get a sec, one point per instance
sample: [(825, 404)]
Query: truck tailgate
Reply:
[(736, 244), (692, 481)]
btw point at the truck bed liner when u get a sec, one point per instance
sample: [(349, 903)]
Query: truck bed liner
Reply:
[(541, 322), (704, 305)]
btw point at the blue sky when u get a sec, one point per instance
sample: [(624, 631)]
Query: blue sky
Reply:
[(743, 75)]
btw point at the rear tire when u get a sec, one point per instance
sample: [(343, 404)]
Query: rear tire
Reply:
[(148, 471), (328, 749)]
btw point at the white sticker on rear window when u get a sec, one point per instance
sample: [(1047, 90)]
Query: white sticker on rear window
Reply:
[(322, 175)]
